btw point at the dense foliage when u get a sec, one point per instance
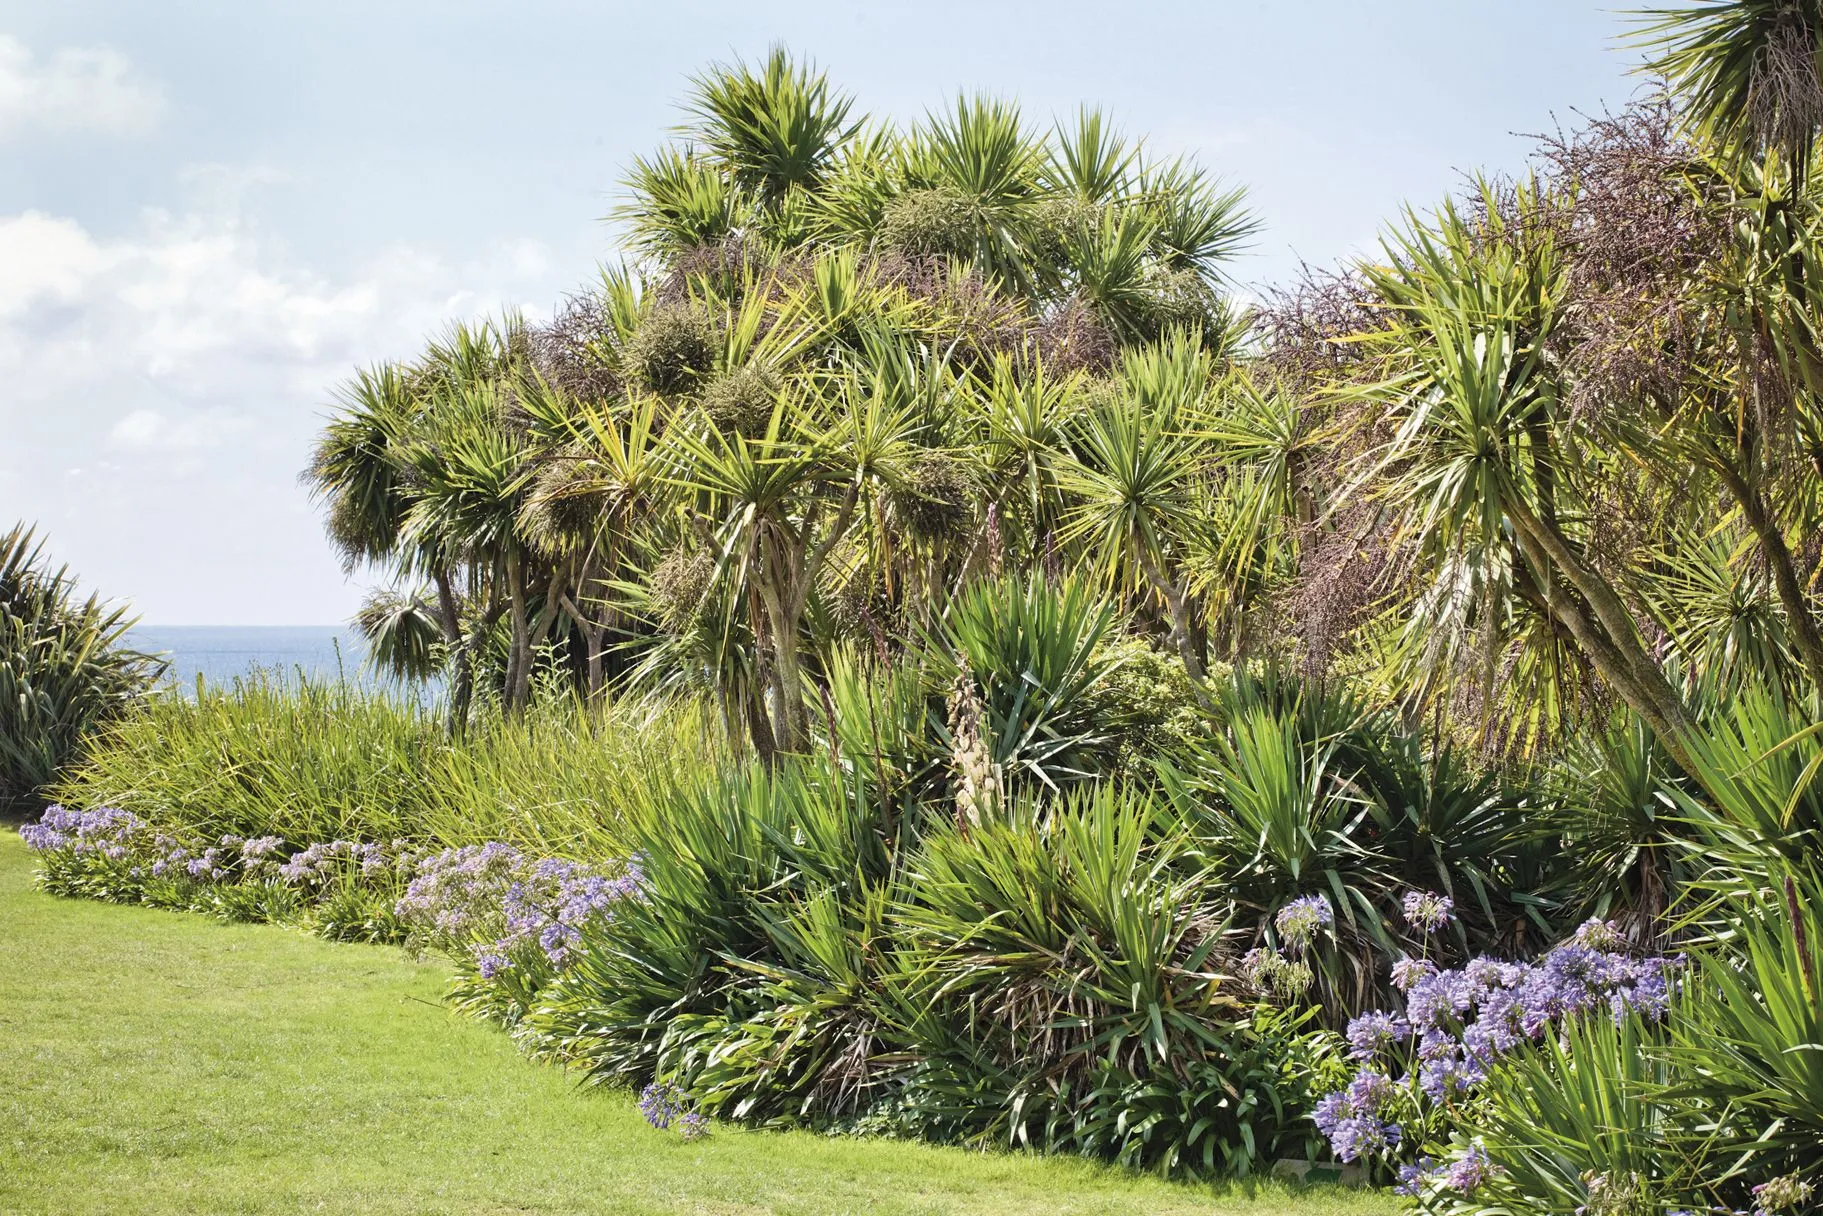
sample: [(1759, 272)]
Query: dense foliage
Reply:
[(922, 661), (64, 669)]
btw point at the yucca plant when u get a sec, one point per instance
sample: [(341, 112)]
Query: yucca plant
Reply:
[(727, 861), (1615, 812), (1277, 811), (1583, 1123), (65, 669), (1057, 986), (811, 1046), (1035, 650), (1746, 1042), (1055, 946), (1756, 809)]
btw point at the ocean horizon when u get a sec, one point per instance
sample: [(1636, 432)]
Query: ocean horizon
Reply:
[(221, 653)]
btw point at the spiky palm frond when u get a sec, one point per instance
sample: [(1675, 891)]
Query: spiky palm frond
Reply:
[(679, 201), (1197, 224), (982, 151), (775, 129), (1111, 267), (1090, 161), (66, 669), (471, 476), (355, 470), (404, 638), (1750, 71), (1721, 612)]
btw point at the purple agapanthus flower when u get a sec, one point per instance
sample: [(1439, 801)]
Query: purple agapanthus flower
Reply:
[(1427, 911), (1466, 1173), (1299, 921), (1465, 1019), (661, 1104), (104, 831), (1374, 1033)]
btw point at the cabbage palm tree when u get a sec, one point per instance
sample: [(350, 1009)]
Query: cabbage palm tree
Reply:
[(1750, 72), (1482, 453), (774, 130), (1134, 483), (472, 479)]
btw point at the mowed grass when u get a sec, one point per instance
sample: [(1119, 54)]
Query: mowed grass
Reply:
[(155, 1062)]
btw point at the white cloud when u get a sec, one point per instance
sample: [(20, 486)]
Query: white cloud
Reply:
[(164, 386), (75, 89)]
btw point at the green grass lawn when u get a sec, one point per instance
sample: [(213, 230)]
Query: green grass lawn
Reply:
[(154, 1062)]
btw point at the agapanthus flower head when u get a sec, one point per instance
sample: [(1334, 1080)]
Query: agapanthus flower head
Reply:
[(1364, 1137), (1375, 1033), (1617, 1193), (84, 833), (1779, 1194), (1299, 921), (1407, 971), (1370, 1091), (693, 1126), (1412, 1177), (1427, 911), (1466, 1173), (1271, 972), (1464, 1020), (1600, 935), (516, 905), (661, 1104)]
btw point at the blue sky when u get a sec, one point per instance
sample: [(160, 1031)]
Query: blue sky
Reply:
[(209, 213)]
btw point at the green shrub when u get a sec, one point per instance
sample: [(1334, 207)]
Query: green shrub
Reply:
[(1583, 1119), (728, 863), (316, 761), (1036, 652), (64, 670), (304, 759), (1149, 705)]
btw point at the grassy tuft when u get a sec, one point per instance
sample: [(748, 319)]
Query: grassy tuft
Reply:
[(312, 760)]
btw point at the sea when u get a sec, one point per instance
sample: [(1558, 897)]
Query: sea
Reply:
[(219, 653)]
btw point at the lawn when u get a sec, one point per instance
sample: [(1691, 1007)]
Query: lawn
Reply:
[(154, 1062)]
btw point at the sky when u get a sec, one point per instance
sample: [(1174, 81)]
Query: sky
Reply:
[(210, 214)]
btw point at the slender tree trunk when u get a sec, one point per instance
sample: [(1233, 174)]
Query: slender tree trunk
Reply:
[(1176, 603), (462, 692), (518, 657), (1617, 623), (1803, 623), (1622, 672), (447, 616), (787, 677), (540, 630)]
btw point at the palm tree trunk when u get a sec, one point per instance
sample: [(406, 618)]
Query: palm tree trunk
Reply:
[(447, 616), (1622, 663), (787, 676), (462, 690), (518, 664), (1799, 618), (1178, 605)]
